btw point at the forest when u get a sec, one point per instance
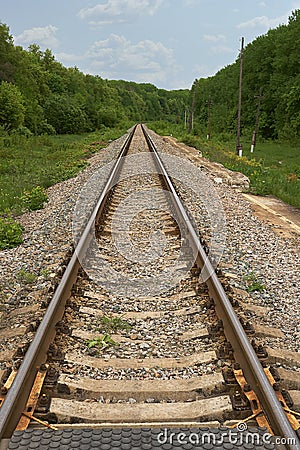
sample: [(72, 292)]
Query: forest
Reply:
[(53, 118), (271, 65), (39, 95)]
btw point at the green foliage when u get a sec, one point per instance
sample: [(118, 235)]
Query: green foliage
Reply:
[(64, 115), (256, 286), (28, 162), (10, 233), (273, 168), (270, 62), (45, 273), (26, 277), (101, 342), (63, 100), (12, 111), (114, 324), (253, 285), (34, 199)]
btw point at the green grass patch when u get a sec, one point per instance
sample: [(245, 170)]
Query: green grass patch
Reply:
[(29, 165), (10, 233), (273, 168)]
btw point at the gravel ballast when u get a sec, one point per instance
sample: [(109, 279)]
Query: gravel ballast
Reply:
[(253, 249)]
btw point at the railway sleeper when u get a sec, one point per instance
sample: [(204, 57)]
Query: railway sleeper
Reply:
[(150, 391), (213, 408)]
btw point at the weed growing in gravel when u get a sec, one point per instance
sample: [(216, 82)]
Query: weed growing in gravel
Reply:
[(26, 277), (255, 286), (251, 276), (101, 342), (10, 233), (252, 283), (45, 273), (114, 324)]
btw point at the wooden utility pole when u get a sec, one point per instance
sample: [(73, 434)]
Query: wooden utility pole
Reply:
[(254, 136), (208, 117), (239, 149), (191, 118)]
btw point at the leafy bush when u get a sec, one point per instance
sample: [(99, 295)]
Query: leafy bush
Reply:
[(12, 110), (22, 131), (10, 233), (46, 128), (34, 199)]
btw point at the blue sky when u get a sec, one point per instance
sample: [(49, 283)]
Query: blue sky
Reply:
[(165, 42)]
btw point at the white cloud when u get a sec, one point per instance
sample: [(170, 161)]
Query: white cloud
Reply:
[(69, 58), (214, 37), (191, 2), (262, 22), (217, 43), (112, 11), (218, 49), (263, 4), (44, 36), (144, 61)]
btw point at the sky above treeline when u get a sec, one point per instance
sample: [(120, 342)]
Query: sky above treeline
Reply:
[(168, 43)]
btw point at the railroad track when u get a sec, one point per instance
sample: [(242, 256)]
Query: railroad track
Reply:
[(131, 336)]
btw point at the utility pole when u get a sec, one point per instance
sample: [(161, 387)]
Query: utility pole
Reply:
[(254, 136), (239, 149), (208, 117), (191, 118)]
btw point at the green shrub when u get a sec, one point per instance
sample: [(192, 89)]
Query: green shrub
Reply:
[(34, 199), (22, 131), (10, 233)]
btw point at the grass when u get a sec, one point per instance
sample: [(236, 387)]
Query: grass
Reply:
[(273, 168), (28, 164)]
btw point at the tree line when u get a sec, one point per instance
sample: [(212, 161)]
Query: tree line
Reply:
[(271, 65), (39, 95)]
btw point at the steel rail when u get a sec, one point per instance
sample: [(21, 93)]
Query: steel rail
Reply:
[(16, 398), (243, 350)]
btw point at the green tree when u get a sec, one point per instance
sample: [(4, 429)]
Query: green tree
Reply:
[(64, 115), (12, 110), (7, 67)]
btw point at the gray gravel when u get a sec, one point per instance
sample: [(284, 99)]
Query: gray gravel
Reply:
[(251, 247)]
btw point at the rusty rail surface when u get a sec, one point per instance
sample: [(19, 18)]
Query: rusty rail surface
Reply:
[(17, 395)]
